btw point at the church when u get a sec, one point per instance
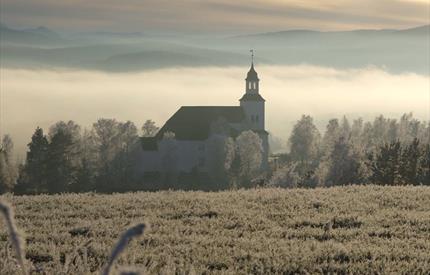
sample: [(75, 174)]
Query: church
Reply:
[(192, 126)]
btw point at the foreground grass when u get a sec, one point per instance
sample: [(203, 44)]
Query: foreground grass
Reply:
[(341, 230)]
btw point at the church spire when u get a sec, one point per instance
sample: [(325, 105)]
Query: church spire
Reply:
[(252, 81)]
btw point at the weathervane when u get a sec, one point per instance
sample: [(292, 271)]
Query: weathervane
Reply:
[(252, 55)]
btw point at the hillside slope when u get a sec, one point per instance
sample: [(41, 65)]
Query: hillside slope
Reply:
[(373, 230)]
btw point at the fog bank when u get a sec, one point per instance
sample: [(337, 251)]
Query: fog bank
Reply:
[(40, 98)]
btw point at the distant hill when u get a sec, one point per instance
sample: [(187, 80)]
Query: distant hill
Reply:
[(423, 30), (394, 50), (113, 57), (40, 36)]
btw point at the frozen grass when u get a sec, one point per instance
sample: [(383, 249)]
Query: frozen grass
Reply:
[(337, 230)]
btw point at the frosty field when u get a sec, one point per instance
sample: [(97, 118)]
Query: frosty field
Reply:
[(361, 229)]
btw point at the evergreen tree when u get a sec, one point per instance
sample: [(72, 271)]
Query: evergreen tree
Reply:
[(59, 167), (344, 164), (385, 166), (423, 171), (409, 163), (33, 176)]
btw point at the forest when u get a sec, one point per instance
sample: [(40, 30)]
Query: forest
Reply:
[(105, 158)]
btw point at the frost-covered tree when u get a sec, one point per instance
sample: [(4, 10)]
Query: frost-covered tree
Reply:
[(88, 160), (331, 135), (304, 140), (287, 176), (249, 156), (221, 152), (117, 144), (8, 171), (149, 128), (345, 128)]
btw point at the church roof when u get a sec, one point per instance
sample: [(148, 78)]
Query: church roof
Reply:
[(194, 122), (252, 97)]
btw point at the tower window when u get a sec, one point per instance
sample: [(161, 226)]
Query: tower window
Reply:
[(256, 118)]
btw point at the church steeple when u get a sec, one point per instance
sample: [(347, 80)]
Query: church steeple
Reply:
[(252, 81), (252, 102)]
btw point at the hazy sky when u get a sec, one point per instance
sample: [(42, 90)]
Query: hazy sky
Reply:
[(239, 16)]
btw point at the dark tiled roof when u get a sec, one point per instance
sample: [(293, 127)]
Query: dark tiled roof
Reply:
[(149, 143), (194, 122), (252, 97)]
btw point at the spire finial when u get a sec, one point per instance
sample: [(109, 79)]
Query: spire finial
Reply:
[(252, 56)]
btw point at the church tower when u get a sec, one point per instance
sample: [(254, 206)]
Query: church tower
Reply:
[(252, 102)]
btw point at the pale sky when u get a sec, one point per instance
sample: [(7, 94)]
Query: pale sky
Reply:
[(222, 16)]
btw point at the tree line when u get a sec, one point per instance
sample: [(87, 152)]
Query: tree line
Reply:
[(70, 159), (384, 152), (106, 157)]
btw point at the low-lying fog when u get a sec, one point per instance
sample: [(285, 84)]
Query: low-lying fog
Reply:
[(40, 98)]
